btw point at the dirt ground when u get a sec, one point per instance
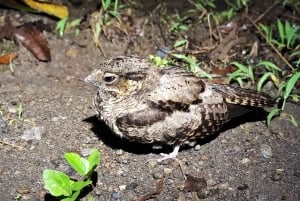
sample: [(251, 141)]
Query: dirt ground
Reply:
[(245, 161)]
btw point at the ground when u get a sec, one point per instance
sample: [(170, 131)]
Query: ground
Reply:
[(245, 161)]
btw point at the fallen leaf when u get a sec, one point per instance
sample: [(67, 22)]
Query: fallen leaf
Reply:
[(223, 70), (31, 38), (194, 183), (158, 189), (56, 10), (7, 58)]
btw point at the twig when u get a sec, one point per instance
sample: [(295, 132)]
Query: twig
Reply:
[(262, 15), (12, 145)]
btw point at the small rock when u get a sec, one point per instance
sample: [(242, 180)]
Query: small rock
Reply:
[(3, 126), (116, 195), (266, 151), (197, 147), (131, 186), (12, 110), (34, 133), (119, 152), (277, 175), (122, 187), (245, 160), (151, 164), (223, 186), (87, 151), (167, 171), (243, 187)]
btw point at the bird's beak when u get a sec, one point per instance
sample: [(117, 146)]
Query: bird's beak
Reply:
[(90, 79), (93, 78)]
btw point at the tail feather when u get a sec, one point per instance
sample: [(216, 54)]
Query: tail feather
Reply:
[(240, 96)]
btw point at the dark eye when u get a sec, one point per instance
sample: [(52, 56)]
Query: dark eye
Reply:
[(109, 78)]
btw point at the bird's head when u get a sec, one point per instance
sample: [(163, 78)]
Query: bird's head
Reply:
[(121, 76)]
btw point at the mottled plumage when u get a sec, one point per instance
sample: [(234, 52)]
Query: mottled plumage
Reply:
[(143, 103)]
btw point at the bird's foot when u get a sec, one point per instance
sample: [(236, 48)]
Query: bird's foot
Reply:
[(171, 155)]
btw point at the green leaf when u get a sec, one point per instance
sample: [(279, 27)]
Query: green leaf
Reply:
[(294, 121), (180, 56), (262, 80), (81, 165), (269, 65), (272, 114), (61, 26), (281, 31), (73, 197), (290, 84), (94, 159), (180, 43), (57, 183), (78, 185)]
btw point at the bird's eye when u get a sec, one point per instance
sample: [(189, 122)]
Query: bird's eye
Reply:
[(109, 78)]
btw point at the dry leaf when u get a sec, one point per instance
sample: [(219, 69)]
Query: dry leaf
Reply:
[(59, 11), (7, 58), (194, 183), (31, 38), (158, 189)]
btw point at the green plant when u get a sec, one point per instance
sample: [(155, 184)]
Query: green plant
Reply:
[(61, 186), (237, 5), (159, 61), (272, 73), (242, 73), (11, 66), (178, 24), (105, 17), (287, 88), (62, 25), (191, 64), (110, 8), (20, 111), (286, 34)]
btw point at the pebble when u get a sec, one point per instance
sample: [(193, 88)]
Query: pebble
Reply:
[(167, 171), (223, 186), (116, 195), (34, 133), (119, 152), (245, 160), (131, 186), (3, 126), (197, 147), (122, 187), (266, 151), (86, 152)]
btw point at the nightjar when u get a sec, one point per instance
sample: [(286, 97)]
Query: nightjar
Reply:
[(164, 106)]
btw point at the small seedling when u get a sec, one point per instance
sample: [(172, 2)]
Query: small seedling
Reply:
[(287, 34), (159, 61), (272, 72), (20, 111), (61, 186), (63, 24), (287, 88)]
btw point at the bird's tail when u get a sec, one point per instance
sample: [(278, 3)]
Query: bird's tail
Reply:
[(240, 96)]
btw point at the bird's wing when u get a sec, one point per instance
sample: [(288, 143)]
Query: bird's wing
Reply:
[(176, 88)]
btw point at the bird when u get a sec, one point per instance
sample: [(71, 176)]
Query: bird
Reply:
[(165, 106)]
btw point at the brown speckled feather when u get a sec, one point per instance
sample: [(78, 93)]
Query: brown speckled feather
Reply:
[(164, 106)]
